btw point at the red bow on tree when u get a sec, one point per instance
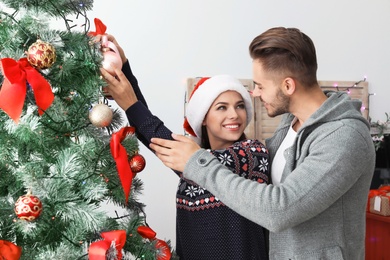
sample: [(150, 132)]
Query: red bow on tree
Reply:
[(9, 251), (13, 91), (100, 27), (120, 156), (98, 249), (164, 252)]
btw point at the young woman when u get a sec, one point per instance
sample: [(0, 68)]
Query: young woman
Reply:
[(218, 112)]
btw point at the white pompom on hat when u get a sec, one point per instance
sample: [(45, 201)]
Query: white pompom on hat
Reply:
[(203, 96)]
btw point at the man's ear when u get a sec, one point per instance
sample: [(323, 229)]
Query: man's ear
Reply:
[(289, 86)]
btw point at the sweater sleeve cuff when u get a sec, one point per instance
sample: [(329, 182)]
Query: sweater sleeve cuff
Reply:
[(197, 162), (137, 113), (126, 69)]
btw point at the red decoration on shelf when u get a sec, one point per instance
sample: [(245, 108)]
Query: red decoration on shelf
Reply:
[(28, 207), (137, 163)]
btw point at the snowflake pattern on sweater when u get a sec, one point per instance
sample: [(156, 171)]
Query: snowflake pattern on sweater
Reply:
[(248, 158)]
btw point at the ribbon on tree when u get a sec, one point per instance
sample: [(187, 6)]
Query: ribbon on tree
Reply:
[(9, 250), (98, 249), (119, 154), (146, 232), (13, 91), (100, 27), (163, 250)]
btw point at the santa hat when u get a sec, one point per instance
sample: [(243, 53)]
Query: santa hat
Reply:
[(202, 97)]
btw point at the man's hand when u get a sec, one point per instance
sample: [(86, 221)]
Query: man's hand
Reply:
[(174, 154)]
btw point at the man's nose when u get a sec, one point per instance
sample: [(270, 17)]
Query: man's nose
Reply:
[(255, 92)]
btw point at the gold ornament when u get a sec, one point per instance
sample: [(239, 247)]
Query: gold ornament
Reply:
[(101, 115), (41, 55)]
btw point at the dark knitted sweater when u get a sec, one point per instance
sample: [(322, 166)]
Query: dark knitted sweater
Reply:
[(205, 227)]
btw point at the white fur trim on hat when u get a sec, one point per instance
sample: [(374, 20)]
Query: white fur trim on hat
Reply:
[(201, 100)]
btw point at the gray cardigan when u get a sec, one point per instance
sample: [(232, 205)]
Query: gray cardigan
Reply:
[(318, 210)]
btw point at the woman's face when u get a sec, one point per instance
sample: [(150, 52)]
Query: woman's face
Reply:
[(226, 120)]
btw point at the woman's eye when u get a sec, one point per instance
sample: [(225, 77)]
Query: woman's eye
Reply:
[(221, 108), (241, 106)]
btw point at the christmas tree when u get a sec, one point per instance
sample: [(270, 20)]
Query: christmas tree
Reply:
[(64, 153)]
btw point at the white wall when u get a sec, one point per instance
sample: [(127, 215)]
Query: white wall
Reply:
[(168, 41)]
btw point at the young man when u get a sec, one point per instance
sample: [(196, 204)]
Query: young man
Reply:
[(322, 156)]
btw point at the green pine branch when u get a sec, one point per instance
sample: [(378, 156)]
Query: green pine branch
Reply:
[(60, 156)]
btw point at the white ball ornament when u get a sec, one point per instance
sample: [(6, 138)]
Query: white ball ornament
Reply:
[(101, 115), (111, 57)]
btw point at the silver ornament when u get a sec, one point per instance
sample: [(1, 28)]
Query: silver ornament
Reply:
[(101, 115)]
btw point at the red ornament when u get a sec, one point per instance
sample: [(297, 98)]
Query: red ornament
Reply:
[(41, 55), (137, 163), (28, 207), (163, 250)]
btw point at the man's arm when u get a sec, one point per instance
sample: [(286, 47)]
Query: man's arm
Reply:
[(305, 193)]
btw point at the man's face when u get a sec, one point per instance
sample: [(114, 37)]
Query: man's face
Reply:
[(269, 89)]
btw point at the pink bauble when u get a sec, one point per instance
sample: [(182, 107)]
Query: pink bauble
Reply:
[(111, 61), (111, 57)]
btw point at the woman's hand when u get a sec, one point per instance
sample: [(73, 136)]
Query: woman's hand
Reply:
[(119, 88), (111, 38)]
